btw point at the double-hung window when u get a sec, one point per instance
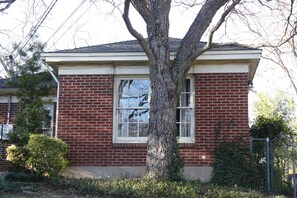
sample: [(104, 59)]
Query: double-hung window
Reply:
[(131, 112)]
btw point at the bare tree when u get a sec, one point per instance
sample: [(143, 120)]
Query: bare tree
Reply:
[(273, 27), (167, 77)]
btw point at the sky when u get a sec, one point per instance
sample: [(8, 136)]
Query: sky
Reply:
[(78, 23)]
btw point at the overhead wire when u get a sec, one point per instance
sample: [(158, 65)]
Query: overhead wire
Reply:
[(71, 25), (33, 30), (75, 10)]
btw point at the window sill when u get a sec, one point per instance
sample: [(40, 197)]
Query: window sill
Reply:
[(142, 144)]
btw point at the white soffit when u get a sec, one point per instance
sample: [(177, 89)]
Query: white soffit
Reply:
[(140, 56), (144, 70)]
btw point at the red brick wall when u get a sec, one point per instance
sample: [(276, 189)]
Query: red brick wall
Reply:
[(221, 105), (4, 143), (86, 110)]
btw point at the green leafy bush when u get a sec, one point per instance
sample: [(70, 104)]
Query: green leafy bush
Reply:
[(17, 155), (47, 155), (232, 167)]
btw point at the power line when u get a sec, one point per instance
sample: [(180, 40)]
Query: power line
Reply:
[(71, 24), (34, 29), (75, 10)]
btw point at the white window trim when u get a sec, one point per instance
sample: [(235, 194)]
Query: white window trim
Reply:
[(117, 139)]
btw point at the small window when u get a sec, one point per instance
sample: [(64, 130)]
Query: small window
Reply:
[(131, 119), (185, 111), (4, 130), (47, 126)]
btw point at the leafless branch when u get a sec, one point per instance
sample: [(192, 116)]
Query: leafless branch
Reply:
[(281, 63), (135, 33), (7, 4), (194, 34), (218, 25)]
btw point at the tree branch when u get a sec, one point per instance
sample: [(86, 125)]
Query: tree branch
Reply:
[(134, 32), (142, 8), (217, 26), (8, 4), (188, 50)]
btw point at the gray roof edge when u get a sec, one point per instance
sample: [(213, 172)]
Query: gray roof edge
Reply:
[(130, 46)]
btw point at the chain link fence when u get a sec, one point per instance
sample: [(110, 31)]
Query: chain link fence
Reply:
[(276, 162)]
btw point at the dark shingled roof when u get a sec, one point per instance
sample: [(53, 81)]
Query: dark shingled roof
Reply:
[(4, 83), (133, 46)]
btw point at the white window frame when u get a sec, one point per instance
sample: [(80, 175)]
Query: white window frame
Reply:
[(117, 139)]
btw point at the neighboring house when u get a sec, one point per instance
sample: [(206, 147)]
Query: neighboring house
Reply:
[(8, 109), (103, 106)]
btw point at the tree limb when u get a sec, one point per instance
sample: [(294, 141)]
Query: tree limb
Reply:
[(217, 26), (134, 32), (8, 4), (195, 32), (142, 8)]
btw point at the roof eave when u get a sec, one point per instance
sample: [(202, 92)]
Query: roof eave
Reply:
[(140, 56)]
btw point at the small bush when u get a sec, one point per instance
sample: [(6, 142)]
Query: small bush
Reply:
[(18, 156), (47, 155), (232, 167)]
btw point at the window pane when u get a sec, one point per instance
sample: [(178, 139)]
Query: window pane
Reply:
[(132, 130), (143, 101), (185, 115), (185, 130), (178, 129), (133, 115), (122, 115), (143, 129), (124, 87), (143, 115), (187, 86), (122, 129), (143, 86), (123, 100), (185, 100), (178, 115), (134, 93)]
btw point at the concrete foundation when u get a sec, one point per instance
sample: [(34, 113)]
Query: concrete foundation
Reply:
[(203, 173)]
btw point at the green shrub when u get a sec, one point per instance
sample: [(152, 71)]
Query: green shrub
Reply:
[(10, 187), (47, 155), (18, 156), (232, 167), (132, 187)]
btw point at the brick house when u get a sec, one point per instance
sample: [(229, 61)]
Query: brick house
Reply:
[(103, 106)]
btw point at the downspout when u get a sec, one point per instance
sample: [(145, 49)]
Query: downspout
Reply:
[(58, 93), (9, 108)]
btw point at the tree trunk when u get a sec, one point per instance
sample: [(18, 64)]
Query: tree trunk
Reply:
[(161, 144)]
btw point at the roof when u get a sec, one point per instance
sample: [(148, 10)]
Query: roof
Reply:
[(134, 46), (6, 87)]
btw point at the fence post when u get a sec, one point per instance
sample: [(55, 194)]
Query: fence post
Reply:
[(294, 165), (1, 144), (267, 165)]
